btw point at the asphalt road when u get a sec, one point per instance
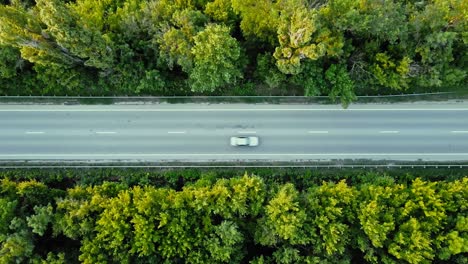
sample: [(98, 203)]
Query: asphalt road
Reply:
[(202, 132)]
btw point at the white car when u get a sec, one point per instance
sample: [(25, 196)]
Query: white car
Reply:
[(244, 141)]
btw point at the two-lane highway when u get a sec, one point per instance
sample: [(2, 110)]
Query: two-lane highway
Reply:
[(201, 132)]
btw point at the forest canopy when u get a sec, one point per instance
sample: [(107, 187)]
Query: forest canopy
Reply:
[(339, 48), (234, 220)]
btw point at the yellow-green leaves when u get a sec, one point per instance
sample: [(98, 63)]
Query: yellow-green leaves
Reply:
[(178, 40), (74, 37), (199, 223), (260, 18), (94, 14), (19, 27), (23, 30), (391, 73), (54, 35), (295, 38), (220, 11), (237, 220), (216, 59), (376, 220), (413, 223), (284, 215)]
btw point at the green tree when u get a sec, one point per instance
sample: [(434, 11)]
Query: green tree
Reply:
[(267, 71), (65, 26), (389, 73), (157, 225), (341, 84), (18, 246), (234, 220), (283, 220), (24, 31), (77, 211), (61, 48), (224, 243), (453, 239), (221, 11), (439, 32), (217, 58), (177, 42), (22, 215), (113, 232), (311, 78), (400, 222), (329, 223), (40, 220), (7, 213), (10, 62), (259, 18), (295, 38), (58, 80)]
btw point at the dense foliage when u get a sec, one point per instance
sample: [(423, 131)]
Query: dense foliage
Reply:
[(236, 220), (164, 47)]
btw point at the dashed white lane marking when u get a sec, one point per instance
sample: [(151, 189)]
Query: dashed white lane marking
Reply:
[(247, 132), (176, 132), (106, 132), (389, 132), (459, 131), (317, 132), (34, 132)]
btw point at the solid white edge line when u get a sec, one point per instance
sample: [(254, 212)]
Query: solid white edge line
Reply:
[(236, 154), (35, 132), (245, 166), (223, 109), (389, 132), (459, 131), (176, 132)]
